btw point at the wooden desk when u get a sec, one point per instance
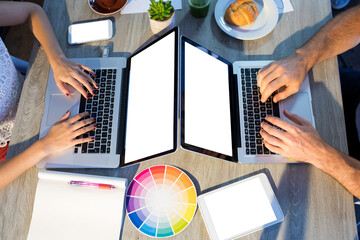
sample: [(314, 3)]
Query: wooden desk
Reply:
[(314, 204)]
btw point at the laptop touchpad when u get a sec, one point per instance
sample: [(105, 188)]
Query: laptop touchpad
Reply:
[(59, 104), (299, 103)]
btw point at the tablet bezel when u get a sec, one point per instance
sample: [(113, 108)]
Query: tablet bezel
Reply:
[(270, 196)]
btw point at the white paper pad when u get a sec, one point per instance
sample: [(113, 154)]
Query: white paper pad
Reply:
[(284, 6), (141, 6), (64, 211)]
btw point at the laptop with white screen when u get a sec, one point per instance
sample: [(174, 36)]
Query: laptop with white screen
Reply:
[(135, 108), (221, 112)]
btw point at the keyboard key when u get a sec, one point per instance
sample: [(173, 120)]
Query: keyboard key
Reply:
[(95, 150), (103, 149), (84, 148), (266, 151)]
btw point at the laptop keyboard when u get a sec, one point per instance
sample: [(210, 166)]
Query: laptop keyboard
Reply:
[(255, 112), (100, 106)]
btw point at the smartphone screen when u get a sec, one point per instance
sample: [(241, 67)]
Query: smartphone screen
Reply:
[(90, 31)]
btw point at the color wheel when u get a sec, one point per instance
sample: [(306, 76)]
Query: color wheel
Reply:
[(161, 201)]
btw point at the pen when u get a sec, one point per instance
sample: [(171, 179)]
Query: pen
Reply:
[(91, 184)]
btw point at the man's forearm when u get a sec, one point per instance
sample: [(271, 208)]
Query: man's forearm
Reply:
[(335, 37), (345, 169)]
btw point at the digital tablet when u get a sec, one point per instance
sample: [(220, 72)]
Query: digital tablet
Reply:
[(240, 208)]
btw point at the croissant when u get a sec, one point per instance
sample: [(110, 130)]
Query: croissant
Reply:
[(241, 12)]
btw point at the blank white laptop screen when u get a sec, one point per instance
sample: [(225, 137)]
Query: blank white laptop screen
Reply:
[(207, 102), (150, 111)]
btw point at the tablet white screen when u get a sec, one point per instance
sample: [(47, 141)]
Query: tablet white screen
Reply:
[(239, 208), (207, 102), (150, 112)]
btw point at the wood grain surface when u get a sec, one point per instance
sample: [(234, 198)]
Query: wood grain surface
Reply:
[(314, 204)]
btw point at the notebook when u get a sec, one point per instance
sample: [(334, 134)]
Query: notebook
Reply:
[(74, 211), (240, 208), (221, 112), (135, 108)]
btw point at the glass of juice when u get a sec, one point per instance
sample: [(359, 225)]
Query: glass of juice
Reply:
[(199, 8)]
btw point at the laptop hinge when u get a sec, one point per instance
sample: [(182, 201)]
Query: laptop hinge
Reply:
[(235, 116), (122, 112)]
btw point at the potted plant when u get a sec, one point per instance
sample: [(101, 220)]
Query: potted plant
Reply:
[(161, 15)]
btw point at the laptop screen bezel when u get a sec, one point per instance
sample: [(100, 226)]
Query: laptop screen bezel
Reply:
[(124, 102), (234, 105)]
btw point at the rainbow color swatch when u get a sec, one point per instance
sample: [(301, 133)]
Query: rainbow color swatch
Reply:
[(161, 201)]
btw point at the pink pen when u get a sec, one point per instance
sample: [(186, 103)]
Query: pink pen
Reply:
[(91, 184)]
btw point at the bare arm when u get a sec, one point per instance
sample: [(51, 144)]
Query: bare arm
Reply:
[(300, 141), (60, 137), (335, 37), (65, 71)]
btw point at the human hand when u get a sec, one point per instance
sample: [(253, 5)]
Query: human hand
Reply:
[(67, 72), (287, 72), (296, 140), (64, 132)]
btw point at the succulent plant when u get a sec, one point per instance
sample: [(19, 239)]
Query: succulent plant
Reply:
[(160, 10)]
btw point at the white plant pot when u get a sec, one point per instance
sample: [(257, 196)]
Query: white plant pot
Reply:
[(157, 26)]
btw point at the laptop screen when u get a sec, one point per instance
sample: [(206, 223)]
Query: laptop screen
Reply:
[(206, 115), (152, 98)]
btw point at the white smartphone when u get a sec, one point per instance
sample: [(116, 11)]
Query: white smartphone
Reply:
[(90, 31)]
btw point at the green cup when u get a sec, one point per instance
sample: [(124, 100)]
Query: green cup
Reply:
[(199, 8)]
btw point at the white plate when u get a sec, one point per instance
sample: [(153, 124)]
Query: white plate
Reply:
[(263, 25)]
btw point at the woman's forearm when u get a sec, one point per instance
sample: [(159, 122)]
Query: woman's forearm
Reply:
[(42, 30), (13, 168)]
